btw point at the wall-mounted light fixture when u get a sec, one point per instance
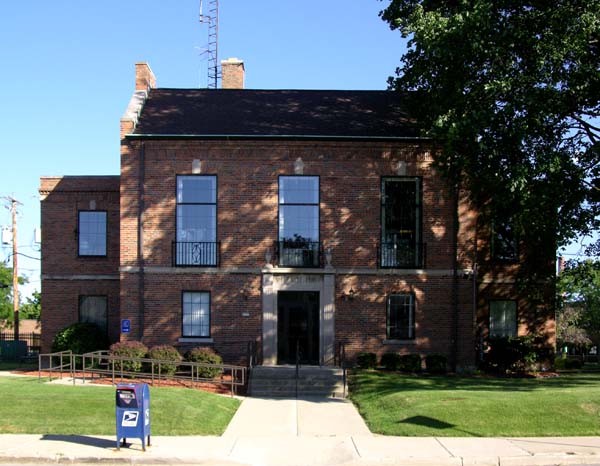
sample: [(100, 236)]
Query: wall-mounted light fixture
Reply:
[(349, 296), (299, 166), (401, 168)]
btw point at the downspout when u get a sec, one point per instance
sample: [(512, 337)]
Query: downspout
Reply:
[(455, 277), (140, 238)]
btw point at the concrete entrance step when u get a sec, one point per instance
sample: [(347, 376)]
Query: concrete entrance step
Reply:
[(280, 381)]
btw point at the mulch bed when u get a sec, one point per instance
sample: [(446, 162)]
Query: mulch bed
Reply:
[(102, 379)]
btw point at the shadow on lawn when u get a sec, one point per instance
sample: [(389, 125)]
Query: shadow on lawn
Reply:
[(81, 440), (432, 423), (384, 383)]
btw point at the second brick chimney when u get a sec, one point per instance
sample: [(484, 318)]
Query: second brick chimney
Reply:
[(232, 73), (144, 77)]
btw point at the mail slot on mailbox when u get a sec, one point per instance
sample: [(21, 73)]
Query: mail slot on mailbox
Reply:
[(133, 413)]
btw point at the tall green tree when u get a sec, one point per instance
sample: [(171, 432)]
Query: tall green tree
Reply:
[(6, 302), (6, 295), (510, 89), (578, 289), (32, 308)]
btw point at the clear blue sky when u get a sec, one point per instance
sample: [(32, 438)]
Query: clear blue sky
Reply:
[(67, 73)]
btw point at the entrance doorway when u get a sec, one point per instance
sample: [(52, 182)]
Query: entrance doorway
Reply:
[(298, 324)]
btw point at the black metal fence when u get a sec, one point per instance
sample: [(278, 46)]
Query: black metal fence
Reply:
[(33, 340)]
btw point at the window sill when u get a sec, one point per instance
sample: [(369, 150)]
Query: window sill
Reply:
[(195, 340), (400, 342)]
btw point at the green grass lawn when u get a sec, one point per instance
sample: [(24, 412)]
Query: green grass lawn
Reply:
[(16, 365), (30, 407), (395, 404)]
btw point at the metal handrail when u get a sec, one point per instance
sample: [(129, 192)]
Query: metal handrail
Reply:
[(102, 363), (61, 366), (297, 364)]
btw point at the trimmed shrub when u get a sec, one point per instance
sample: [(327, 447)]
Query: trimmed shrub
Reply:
[(129, 349), (436, 363), (410, 363), (80, 338), (567, 363), (366, 360), (207, 356), (390, 361), (165, 353), (510, 354)]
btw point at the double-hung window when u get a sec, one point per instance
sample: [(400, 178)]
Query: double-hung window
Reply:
[(401, 316), (503, 318), (505, 246), (92, 233), (401, 245), (196, 243), (94, 310), (196, 314), (298, 242)]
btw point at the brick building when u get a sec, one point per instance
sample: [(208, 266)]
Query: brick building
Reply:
[(283, 217)]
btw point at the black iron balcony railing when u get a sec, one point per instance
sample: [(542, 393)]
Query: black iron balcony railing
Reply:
[(402, 255), (294, 253), (196, 254)]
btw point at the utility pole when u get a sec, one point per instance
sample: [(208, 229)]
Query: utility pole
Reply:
[(13, 210)]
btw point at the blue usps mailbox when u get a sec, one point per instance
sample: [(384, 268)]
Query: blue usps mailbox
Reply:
[(133, 413)]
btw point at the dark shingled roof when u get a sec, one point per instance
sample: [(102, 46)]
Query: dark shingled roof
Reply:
[(274, 113)]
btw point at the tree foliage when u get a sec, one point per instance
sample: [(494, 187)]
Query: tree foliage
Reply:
[(510, 89), (32, 308), (578, 289)]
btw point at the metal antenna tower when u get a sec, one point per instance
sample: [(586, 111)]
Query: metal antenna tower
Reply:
[(211, 17)]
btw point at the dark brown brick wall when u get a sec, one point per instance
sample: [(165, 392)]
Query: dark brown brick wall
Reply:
[(350, 180), (60, 305)]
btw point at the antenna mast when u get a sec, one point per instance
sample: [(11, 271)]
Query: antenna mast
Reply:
[(211, 17)]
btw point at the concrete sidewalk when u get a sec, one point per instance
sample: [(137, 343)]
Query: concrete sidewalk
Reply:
[(301, 432)]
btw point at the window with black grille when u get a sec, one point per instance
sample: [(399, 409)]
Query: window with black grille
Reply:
[(401, 316), (401, 245), (196, 243)]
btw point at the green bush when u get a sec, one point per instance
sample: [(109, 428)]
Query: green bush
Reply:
[(129, 349), (513, 354), (436, 363), (366, 360), (207, 356), (390, 361), (567, 363), (410, 363), (80, 338), (165, 353)]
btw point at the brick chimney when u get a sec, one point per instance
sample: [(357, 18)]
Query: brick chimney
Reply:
[(144, 77), (144, 81), (232, 73)]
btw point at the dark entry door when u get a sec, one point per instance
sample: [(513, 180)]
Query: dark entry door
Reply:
[(298, 324)]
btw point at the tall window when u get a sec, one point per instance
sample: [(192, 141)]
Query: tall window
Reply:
[(92, 233), (505, 246), (299, 221), (196, 314), (503, 318), (196, 221), (401, 316), (401, 223), (94, 309)]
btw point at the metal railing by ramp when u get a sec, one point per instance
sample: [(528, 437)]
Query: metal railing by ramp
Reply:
[(99, 364)]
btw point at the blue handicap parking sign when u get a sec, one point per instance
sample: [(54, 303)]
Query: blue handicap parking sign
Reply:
[(125, 326)]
